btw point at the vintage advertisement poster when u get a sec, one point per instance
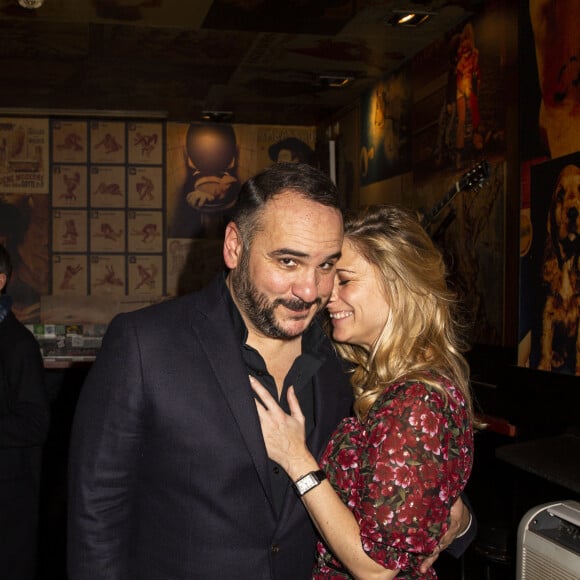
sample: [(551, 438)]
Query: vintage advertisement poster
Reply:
[(145, 187), (107, 231), (69, 141), (69, 186), (145, 143), (145, 275), (107, 186), (24, 155), (285, 143), (108, 142), (107, 274), (69, 230), (145, 231), (69, 274)]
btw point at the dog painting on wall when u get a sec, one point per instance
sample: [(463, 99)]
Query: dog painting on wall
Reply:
[(560, 340)]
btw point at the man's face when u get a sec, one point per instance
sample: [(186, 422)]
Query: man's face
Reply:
[(287, 275)]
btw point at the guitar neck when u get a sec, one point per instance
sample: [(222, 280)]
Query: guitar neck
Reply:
[(472, 179), (438, 207)]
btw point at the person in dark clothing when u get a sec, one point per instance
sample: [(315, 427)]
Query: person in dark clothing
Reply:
[(168, 472), (24, 421)]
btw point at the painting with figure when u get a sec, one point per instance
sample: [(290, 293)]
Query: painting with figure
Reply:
[(108, 144), (549, 269), (386, 129), (24, 232), (69, 186), (69, 274), (550, 142), (461, 87), (69, 141), (202, 178), (554, 28), (107, 275), (278, 143), (145, 143)]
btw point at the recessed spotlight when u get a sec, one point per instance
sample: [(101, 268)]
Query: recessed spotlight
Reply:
[(335, 81), (410, 19), (31, 4), (217, 116)]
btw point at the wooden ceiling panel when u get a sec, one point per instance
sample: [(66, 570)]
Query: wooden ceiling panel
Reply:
[(261, 59)]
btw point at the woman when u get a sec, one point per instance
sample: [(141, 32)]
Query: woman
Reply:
[(394, 470)]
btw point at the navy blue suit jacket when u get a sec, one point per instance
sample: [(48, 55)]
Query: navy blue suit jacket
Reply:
[(168, 473)]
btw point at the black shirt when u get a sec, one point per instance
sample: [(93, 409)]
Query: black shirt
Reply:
[(300, 377)]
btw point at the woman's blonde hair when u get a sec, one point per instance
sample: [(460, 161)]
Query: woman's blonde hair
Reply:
[(421, 337)]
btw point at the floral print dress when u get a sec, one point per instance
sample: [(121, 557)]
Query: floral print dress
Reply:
[(399, 472)]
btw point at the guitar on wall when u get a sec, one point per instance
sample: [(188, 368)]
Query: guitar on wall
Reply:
[(473, 179)]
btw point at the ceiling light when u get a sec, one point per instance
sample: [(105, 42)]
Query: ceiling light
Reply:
[(335, 81), (32, 4), (410, 19), (217, 116)]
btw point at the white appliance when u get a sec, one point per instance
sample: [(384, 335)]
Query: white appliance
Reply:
[(549, 542)]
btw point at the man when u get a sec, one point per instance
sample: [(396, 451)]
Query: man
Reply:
[(24, 421), (169, 476)]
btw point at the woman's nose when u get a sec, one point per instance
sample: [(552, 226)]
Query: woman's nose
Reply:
[(334, 292)]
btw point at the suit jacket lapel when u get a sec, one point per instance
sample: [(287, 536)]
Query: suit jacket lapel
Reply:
[(215, 332)]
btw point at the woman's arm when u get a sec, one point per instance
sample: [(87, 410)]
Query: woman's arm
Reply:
[(285, 443)]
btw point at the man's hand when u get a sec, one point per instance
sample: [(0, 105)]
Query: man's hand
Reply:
[(459, 523)]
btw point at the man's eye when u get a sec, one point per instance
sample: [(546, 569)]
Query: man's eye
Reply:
[(327, 266), (287, 261), (343, 282)]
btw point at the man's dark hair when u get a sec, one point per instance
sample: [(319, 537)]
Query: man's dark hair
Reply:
[(301, 178), (5, 265)]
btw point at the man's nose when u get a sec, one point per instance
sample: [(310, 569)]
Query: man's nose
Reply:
[(306, 285)]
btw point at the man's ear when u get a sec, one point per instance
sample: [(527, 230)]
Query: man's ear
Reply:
[(3, 281), (233, 246)]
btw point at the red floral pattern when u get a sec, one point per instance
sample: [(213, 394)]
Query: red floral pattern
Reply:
[(399, 472)]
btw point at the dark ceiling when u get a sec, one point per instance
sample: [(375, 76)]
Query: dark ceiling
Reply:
[(260, 59)]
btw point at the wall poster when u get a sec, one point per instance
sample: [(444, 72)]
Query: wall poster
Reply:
[(461, 93), (386, 129), (549, 290), (103, 216), (24, 155)]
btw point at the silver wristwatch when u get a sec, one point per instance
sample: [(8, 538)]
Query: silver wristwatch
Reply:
[(309, 481)]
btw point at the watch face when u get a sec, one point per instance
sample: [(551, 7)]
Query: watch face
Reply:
[(306, 483)]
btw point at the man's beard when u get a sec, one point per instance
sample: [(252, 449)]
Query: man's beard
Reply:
[(255, 305)]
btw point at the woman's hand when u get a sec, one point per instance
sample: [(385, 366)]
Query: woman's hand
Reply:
[(285, 443), (284, 435)]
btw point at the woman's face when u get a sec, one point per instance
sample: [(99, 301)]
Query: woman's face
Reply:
[(357, 307)]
